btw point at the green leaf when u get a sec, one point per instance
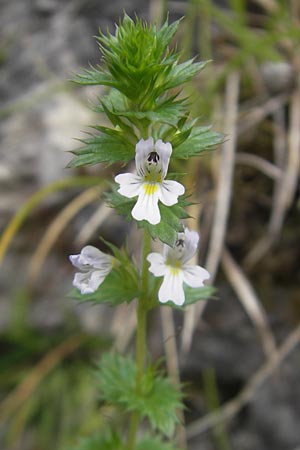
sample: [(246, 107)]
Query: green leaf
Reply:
[(107, 440), (166, 34), (96, 76), (165, 110), (193, 295), (138, 62), (121, 204), (171, 216), (157, 398), (184, 72), (154, 443), (121, 285), (168, 112), (199, 140), (170, 224), (110, 146)]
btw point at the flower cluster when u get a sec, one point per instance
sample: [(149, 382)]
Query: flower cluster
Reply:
[(149, 186), (142, 72)]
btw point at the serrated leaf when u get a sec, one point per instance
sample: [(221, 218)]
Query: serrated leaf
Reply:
[(184, 72), (157, 399), (167, 113), (169, 224), (167, 110), (162, 231), (166, 34), (107, 147), (199, 140), (95, 76), (138, 63)]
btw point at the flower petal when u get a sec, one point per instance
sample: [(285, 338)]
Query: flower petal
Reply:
[(191, 239), (142, 149), (164, 149), (194, 276), (146, 208), (90, 257), (158, 266), (172, 288), (130, 184), (76, 261), (94, 257), (169, 192), (89, 282)]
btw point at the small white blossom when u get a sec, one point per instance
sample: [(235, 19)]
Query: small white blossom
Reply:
[(149, 184), (172, 265), (94, 266)]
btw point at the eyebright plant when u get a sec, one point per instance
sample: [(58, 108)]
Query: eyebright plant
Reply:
[(149, 123)]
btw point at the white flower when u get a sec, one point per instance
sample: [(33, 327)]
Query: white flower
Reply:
[(94, 266), (172, 265), (149, 184)]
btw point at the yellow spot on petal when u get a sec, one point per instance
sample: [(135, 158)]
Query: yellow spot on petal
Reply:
[(174, 270), (174, 266), (150, 188)]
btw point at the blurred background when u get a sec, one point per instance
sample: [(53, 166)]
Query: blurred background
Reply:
[(238, 353)]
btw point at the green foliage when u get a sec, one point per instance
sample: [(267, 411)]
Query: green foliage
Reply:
[(193, 295), (110, 146), (171, 216), (111, 441), (165, 110), (199, 140), (154, 443), (138, 62), (142, 72), (100, 441), (156, 398), (121, 284)]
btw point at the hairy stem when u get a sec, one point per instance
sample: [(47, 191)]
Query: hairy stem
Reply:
[(140, 336)]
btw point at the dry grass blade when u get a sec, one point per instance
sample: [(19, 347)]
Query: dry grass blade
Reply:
[(95, 221), (17, 221), (257, 114), (286, 187), (231, 408), (290, 176), (169, 336), (225, 175), (23, 391), (250, 302), (269, 5), (264, 166), (56, 227), (123, 334)]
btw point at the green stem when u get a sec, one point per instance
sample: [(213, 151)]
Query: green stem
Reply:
[(140, 336)]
